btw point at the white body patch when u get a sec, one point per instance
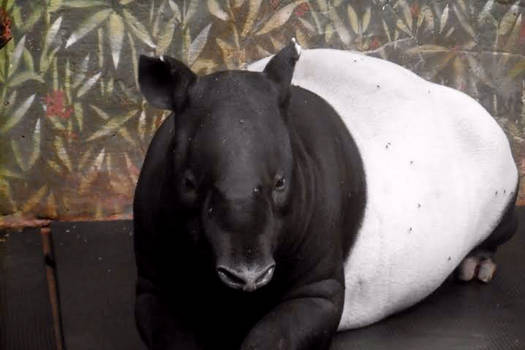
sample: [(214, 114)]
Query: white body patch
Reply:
[(439, 174)]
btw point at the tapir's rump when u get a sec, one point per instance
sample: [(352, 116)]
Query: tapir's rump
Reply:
[(439, 174)]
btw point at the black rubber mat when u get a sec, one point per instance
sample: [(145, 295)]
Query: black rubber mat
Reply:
[(96, 274), (25, 313)]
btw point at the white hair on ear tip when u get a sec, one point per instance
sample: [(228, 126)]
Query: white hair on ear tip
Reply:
[(161, 58), (297, 47)]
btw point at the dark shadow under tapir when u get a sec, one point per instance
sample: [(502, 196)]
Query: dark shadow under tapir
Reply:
[(249, 200)]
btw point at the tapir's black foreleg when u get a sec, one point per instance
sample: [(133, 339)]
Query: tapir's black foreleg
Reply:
[(158, 327), (306, 319)]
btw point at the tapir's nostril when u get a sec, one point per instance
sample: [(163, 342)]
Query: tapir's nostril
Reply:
[(247, 279), (231, 276)]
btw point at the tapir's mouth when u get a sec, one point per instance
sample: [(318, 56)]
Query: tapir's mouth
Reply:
[(246, 279)]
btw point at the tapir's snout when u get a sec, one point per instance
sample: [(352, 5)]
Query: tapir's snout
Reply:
[(247, 279)]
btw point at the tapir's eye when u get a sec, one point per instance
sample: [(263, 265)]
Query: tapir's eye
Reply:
[(280, 184), (189, 183)]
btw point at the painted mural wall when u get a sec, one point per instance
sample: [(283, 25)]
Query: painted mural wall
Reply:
[(74, 128)]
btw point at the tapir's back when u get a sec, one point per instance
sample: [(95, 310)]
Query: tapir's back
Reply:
[(439, 175)]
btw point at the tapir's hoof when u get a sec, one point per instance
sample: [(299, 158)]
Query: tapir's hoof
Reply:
[(487, 268), (482, 268)]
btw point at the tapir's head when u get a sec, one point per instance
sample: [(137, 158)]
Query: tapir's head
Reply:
[(232, 157)]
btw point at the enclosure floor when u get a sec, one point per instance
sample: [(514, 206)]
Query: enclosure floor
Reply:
[(96, 275)]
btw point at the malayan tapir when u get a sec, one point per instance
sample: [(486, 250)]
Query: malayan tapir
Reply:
[(275, 207)]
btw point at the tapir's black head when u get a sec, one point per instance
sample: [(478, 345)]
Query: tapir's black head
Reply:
[(232, 157)]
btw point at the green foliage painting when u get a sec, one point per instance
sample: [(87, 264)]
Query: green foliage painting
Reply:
[(74, 127)]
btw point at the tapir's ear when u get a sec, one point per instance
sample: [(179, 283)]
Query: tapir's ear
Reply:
[(281, 66), (164, 81)]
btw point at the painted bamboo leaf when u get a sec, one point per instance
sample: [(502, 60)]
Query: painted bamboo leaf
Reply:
[(15, 57), (426, 16), (486, 11), (51, 206), (462, 5), (517, 69), (34, 199), (116, 38), (112, 125), (100, 112), (166, 36), (479, 71), (46, 59), (237, 3), (55, 167), (6, 195), (160, 15), (88, 85), (134, 61), (84, 3), (387, 30), (198, 44), (352, 17), (513, 40), (124, 133), (444, 19), (339, 27), (464, 21), (403, 27), (61, 153), (35, 154), (52, 32), (17, 115), (152, 14), (6, 173), (22, 163), (366, 19), (100, 51), (18, 155), (216, 10), (79, 115), (83, 161), (407, 14), (328, 33), (54, 5), (176, 10), (88, 25), (34, 16), (227, 52), (427, 49), (99, 159), (81, 72), (137, 28), (307, 25), (142, 126), (253, 11), (278, 19), (191, 10), (56, 123), (11, 99), (22, 77), (28, 60)]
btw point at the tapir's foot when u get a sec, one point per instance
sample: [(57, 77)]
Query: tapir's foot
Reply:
[(478, 265)]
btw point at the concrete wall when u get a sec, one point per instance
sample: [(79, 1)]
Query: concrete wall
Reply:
[(74, 128)]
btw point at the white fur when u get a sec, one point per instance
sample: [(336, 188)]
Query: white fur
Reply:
[(434, 159)]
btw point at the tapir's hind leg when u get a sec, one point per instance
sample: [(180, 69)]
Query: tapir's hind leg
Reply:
[(479, 263)]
